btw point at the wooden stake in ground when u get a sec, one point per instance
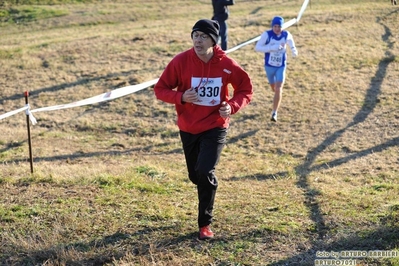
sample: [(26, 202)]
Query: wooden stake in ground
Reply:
[(26, 94)]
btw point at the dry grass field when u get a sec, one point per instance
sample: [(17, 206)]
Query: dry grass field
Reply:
[(109, 185)]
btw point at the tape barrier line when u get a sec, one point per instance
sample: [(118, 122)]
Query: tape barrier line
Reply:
[(111, 95), (31, 117), (304, 6), (13, 112), (117, 93), (26, 108)]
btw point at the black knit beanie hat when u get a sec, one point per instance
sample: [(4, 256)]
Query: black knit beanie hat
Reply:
[(209, 27)]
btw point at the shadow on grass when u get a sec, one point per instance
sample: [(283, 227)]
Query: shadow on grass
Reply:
[(63, 86), (99, 251), (239, 137), (143, 243), (78, 155), (261, 176), (370, 103), (382, 238)]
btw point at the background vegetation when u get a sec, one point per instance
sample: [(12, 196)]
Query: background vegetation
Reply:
[(110, 186)]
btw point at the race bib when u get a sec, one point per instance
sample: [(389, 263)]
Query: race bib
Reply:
[(208, 90), (276, 59)]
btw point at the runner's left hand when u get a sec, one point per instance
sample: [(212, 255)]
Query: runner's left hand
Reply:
[(225, 110)]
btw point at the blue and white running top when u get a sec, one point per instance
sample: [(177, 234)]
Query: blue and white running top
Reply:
[(275, 47)]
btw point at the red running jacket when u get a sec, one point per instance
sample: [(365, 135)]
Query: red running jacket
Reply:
[(211, 82)]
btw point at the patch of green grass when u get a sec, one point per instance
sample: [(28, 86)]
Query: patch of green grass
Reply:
[(14, 212), (34, 179), (149, 172), (20, 14), (44, 2)]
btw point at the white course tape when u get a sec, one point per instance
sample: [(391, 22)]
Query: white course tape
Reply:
[(289, 23), (13, 112), (304, 6), (29, 113), (242, 44), (100, 98)]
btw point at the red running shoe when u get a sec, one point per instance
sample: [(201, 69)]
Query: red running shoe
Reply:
[(205, 232)]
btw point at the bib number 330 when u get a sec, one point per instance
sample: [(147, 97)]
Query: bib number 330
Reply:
[(208, 90)]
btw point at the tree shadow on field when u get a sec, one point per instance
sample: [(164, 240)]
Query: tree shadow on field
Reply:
[(241, 136), (303, 171), (382, 239), (77, 155), (146, 243), (100, 251), (262, 176), (63, 86)]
